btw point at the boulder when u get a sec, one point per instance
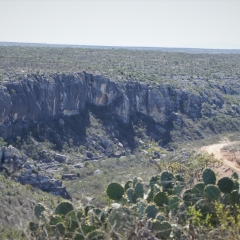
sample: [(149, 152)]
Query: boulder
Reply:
[(60, 158), (89, 154), (69, 176)]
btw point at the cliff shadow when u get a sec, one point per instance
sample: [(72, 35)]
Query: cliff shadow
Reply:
[(158, 132), (113, 126), (55, 132)]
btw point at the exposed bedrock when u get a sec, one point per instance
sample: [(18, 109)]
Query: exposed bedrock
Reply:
[(35, 97)]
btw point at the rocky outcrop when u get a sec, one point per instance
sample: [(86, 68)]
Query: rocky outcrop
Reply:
[(12, 161), (35, 97)]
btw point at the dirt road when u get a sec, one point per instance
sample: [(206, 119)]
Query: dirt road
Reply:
[(225, 156)]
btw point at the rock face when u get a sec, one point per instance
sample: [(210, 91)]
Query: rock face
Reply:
[(12, 162), (37, 97)]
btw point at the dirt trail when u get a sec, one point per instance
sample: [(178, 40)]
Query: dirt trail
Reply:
[(229, 165)]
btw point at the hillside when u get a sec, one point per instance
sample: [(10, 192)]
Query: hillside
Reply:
[(75, 119)]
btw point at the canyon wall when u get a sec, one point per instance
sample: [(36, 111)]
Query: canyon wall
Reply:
[(35, 97)]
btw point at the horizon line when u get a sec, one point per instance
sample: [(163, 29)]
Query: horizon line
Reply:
[(114, 46)]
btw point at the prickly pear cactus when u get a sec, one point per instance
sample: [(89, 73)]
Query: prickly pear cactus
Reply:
[(136, 180), (235, 185), (63, 208), (140, 208), (119, 219), (96, 217), (128, 184), (151, 211), (205, 207), (160, 217), (176, 232), (96, 235), (82, 231), (198, 189), (55, 219), (156, 188), (173, 203), (208, 176), (60, 229), (88, 208), (189, 198), (212, 192), (115, 191), (33, 226), (225, 199), (167, 181), (149, 196), (177, 189), (161, 199), (225, 184), (123, 200), (154, 180), (162, 229), (131, 195), (165, 230), (182, 214), (38, 210), (139, 191), (235, 176), (234, 197), (73, 219), (179, 178)]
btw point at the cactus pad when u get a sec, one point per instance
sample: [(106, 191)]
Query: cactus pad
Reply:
[(208, 176), (167, 180), (139, 191), (235, 176), (115, 191), (60, 228), (131, 195), (33, 226), (96, 216), (187, 197), (140, 208), (177, 189), (162, 229), (73, 219), (96, 235), (136, 180), (88, 208), (198, 189), (128, 184), (225, 184), (174, 202), (151, 211), (38, 210), (55, 219), (179, 178), (63, 208), (205, 207), (149, 196), (83, 230), (234, 197), (161, 199), (212, 192), (120, 218), (154, 180)]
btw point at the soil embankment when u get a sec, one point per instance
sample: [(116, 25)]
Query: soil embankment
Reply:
[(229, 158)]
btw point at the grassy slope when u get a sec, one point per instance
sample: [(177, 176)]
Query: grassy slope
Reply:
[(16, 208)]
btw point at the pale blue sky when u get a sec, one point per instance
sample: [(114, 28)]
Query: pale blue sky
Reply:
[(159, 23)]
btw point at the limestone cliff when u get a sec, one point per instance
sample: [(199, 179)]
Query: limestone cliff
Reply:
[(36, 97), (39, 96)]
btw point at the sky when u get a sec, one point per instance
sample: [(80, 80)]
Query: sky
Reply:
[(146, 23)]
